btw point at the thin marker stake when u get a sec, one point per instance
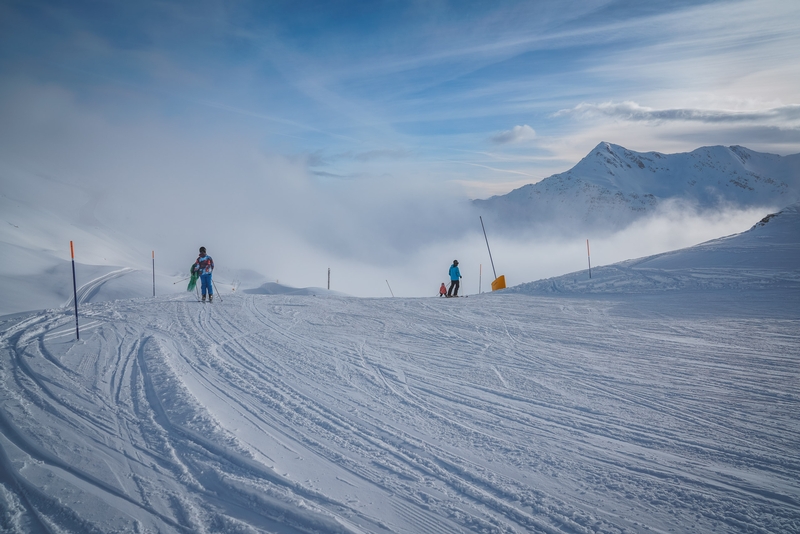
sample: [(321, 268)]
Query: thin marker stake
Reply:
[(589, 257), (487, 246), (390, 288), (154, 273), (74, 290)]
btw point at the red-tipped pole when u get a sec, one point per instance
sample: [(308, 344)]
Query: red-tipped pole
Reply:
[(589, 257), (74, 290)]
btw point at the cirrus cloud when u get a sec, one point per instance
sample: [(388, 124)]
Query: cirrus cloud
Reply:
[(788, 115)]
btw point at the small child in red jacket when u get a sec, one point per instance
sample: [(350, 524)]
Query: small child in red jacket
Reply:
[(442, 290)]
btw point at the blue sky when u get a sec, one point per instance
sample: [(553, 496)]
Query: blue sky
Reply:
[(482, 95), (351, 128)]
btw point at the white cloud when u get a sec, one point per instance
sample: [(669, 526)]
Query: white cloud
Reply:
[(517, 134)]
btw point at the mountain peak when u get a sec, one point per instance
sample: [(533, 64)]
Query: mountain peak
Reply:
[(605, 145), (612, 186)]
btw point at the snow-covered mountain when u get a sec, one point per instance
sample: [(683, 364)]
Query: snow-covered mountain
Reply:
[(612, 187), (765, 257)]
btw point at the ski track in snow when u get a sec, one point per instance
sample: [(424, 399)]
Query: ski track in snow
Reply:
[(501, 413), (86, 291)]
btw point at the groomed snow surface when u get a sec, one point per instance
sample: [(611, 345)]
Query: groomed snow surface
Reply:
[(593, 410), (485, 414)]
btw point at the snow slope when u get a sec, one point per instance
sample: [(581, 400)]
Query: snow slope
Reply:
[(657, 411), (497, 413), (766, 256), (613, 186)]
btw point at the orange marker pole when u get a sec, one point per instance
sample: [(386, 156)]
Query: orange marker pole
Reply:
[(154, 273), (74, 290), (589, 257)]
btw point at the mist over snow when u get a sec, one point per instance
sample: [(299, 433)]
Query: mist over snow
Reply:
[(155, 187), (121, 188), (555, 252), (763, 257)]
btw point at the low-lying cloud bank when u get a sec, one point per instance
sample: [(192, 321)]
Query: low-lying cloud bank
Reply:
[(122, 188)]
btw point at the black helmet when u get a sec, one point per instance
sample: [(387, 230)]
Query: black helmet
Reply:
[(455, 262), (202, 250)]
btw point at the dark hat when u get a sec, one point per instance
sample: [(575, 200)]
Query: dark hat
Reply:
[(202, 250), (455, 262)]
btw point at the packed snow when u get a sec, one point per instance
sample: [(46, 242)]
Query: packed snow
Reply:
[(606, 410)]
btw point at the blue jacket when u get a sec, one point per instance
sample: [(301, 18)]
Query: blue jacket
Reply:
[(204, 265), (455, 274)]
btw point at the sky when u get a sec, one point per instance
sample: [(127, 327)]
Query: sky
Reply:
[(334, 131)]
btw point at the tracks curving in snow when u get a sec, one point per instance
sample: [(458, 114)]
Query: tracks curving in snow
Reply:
[(492, 414), (87, 290)]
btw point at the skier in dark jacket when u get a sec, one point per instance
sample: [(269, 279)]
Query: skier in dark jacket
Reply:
[(455, 276), (204, 267)]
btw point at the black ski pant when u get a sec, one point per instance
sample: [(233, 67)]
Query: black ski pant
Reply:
[(452, 291)]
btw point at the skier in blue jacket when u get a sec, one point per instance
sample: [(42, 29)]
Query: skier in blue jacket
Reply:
[(204, 266), (455, 276)]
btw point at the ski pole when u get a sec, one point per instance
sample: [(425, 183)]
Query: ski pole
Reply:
[(216, 290), (181, 280)]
